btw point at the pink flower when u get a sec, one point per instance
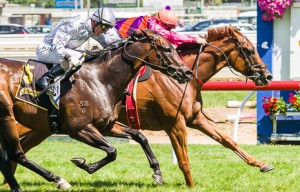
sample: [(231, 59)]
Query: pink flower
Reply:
[(273, 8)]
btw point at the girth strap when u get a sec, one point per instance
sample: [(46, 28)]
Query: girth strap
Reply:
[(53, 114)]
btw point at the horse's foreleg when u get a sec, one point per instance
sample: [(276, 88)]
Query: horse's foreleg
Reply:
[(123, 131), (91, 136), (208, 127), (178, 138)]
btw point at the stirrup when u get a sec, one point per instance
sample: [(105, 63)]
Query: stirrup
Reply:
[(50, 91)]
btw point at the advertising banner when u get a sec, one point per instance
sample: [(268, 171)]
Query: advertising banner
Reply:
[(118, 3), (67, 4)]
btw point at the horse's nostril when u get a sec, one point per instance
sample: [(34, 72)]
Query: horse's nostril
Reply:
[(269, 77), (188, 73)]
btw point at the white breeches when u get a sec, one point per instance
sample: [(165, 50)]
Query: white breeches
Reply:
[(45, 53)]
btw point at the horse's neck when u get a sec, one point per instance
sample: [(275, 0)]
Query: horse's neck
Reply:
[(207, 67)]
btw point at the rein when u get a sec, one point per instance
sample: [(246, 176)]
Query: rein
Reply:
[(247, 60), (240, 50), (197, 61)]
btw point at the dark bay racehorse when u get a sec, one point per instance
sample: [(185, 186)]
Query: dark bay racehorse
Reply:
[(100, 84), (164, 104)]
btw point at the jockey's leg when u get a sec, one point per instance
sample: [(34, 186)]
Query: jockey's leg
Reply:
[(45, 80), (64, 65)]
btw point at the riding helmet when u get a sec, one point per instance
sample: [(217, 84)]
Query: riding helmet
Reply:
[(167, 16), (104, 16)]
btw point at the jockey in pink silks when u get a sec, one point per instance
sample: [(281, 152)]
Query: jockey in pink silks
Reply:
[(163, 23)]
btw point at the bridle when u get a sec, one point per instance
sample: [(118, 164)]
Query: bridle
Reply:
[(247, 59), (170, 70)]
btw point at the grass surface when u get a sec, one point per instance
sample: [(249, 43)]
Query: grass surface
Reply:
[(220, 98), (214, 168)]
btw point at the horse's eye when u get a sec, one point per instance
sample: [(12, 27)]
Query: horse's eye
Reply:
[(168, 49), (250, 51)]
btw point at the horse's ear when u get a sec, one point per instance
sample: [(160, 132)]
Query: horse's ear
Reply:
[(145, 32), (137, 34), (232, 30), (228, 30)]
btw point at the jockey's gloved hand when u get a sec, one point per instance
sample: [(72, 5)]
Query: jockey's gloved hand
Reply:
[(76, 61), (201, 41)]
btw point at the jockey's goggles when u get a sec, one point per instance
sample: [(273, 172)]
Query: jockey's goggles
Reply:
[(105, 27)]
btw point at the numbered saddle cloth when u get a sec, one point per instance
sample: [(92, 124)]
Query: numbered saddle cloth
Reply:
[(28, 89)]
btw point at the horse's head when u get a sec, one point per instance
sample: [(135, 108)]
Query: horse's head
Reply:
[(245, 58), (158, 53)]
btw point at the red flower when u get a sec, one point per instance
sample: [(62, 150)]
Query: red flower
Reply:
[(295, 101), (274, 105)]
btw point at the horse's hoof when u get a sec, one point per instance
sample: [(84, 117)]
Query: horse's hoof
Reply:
[(63, 184), (5, 184), (266, 168), (158, 178), (78, 161)]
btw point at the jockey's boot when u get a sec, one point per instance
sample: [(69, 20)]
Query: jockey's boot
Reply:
[(46, 79)]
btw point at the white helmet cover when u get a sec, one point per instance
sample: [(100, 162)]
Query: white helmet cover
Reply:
[(104, 16)]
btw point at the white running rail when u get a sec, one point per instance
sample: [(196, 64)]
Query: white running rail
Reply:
[(24, 45)]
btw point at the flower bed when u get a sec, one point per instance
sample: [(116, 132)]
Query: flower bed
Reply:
[(276, 105)]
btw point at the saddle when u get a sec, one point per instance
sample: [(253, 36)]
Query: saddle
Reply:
[(28, 91)]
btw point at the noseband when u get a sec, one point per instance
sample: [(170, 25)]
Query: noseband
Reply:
[(170, 70)]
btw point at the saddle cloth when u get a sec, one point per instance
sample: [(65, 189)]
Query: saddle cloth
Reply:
[(28, 89), (130, 100)]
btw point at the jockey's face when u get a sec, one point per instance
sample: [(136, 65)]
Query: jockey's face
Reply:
[(100, 28)]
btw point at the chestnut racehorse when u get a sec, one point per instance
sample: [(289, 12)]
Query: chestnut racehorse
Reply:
[(100, 83), (164, 104)]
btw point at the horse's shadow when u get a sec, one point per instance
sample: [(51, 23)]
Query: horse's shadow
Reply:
[(99, 185), (109, 184)]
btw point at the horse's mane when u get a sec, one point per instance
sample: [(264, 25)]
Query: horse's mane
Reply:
[(213, 34), (218, 33), (97, 55)]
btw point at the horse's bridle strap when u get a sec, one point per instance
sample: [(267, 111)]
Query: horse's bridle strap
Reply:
[(153, 45), (195, 76)]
